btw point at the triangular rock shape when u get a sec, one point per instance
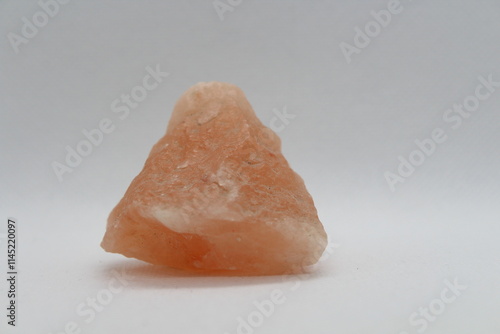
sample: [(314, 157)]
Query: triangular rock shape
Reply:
[(217, 195)]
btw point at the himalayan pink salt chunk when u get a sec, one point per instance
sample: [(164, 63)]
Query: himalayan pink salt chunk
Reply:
[(217, 195)]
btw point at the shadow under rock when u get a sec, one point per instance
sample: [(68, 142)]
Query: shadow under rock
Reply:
[(145, 275)]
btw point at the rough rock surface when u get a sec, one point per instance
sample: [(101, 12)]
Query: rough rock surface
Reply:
[(217, 195)]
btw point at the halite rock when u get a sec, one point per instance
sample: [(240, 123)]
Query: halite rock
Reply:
[(217, 195)]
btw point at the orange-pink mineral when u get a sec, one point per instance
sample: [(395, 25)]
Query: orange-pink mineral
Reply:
[(217, 195)]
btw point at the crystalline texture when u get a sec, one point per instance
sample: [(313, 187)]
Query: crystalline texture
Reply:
[(217, 195)]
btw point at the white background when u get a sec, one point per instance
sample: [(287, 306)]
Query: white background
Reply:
[(393, 251)]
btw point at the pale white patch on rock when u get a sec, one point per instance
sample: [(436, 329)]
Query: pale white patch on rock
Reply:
[(170, 218)]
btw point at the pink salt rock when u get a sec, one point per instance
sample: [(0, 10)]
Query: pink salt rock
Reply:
[(217, 195)]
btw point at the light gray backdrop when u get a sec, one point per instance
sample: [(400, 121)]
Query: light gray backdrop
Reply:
[(393, 122)]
